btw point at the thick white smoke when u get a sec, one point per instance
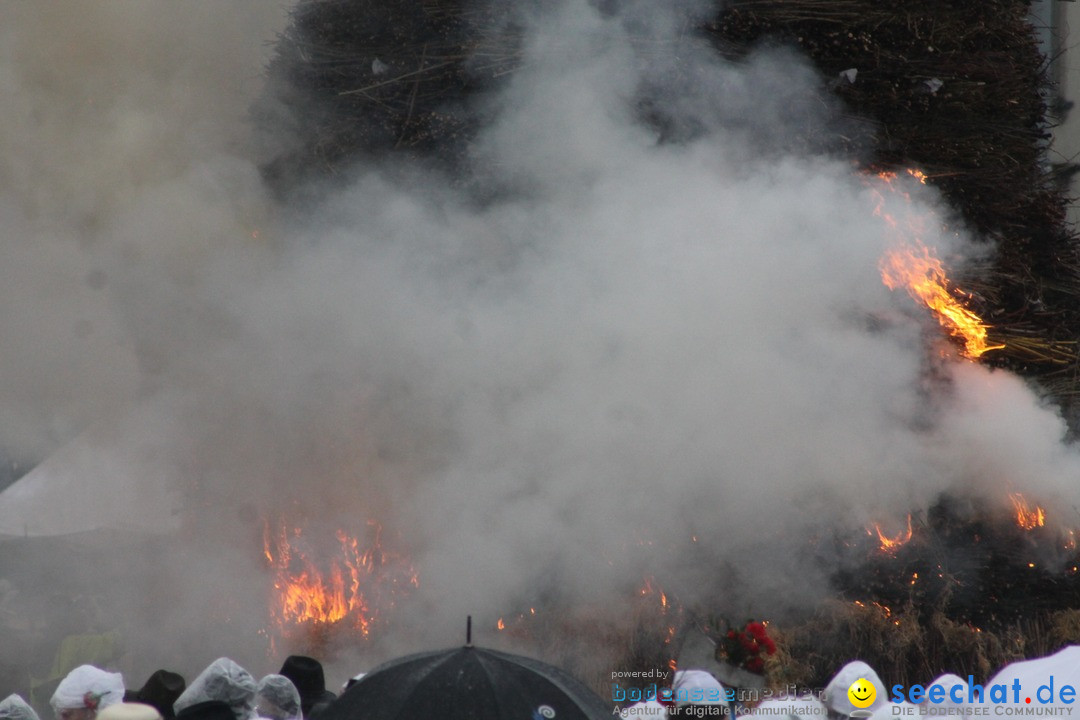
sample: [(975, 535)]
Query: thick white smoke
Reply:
[(673, 360)]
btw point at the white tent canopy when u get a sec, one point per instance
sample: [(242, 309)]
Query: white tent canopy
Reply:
[(115, 475)]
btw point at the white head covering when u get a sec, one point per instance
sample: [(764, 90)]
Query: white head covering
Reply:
[(894, 711), (647, 710), (796, 708), (276, 698), (129, 711), (13, 707), (88, 687), (836, 692), (1063, 666), (697, 687), (948, 681), (222, 680)]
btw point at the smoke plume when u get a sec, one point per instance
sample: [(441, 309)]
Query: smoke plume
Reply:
[(651, 354)]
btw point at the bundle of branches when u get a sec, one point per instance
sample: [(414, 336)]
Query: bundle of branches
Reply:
[(901, 648), (958, 89), (972, 588), (972, 562), (359, 78)]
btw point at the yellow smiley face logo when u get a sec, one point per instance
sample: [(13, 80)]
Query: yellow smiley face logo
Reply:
[(862, 693)]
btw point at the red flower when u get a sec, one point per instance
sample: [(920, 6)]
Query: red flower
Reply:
[(745, 648)]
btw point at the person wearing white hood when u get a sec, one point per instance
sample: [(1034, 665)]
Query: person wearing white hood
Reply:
[(225, 681), (86, 690), (807, 707), (276, 698), (838, 703), (697, 687), (645, 710), (13, 707)]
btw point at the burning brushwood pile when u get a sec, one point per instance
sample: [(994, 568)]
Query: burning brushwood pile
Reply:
[(957, 89), (976, 564), (950, 95), (967, 585), (321, 597)]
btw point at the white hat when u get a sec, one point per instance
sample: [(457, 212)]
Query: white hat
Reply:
[(836, 692), (697, 687), (795, 708), (948, 681), (13, 707), (892, 711), (223, 680), (277, 698), (129, 711), (647, 710), (88, 687)]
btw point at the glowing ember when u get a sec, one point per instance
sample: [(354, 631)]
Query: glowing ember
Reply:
[(885, 610), (914, 267), (890, 544), (651, 590), (1027, 517), (647, 589), (520, 624), (350, 590)]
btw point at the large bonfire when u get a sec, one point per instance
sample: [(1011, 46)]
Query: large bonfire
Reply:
[(955, 95)]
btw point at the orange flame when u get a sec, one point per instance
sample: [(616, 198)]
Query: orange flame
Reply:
[(350, 590), (650, 589), (891, 544), (885, 610), (1026, 517), (914, 267)]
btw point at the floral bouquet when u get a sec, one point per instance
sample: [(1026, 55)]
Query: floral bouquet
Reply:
[(746, 649)]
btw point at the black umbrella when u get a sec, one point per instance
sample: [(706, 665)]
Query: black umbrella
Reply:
[(467, 683)]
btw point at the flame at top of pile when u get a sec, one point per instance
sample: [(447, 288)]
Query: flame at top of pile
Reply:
[(1027, 517), (890, 544), (914, 267)]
